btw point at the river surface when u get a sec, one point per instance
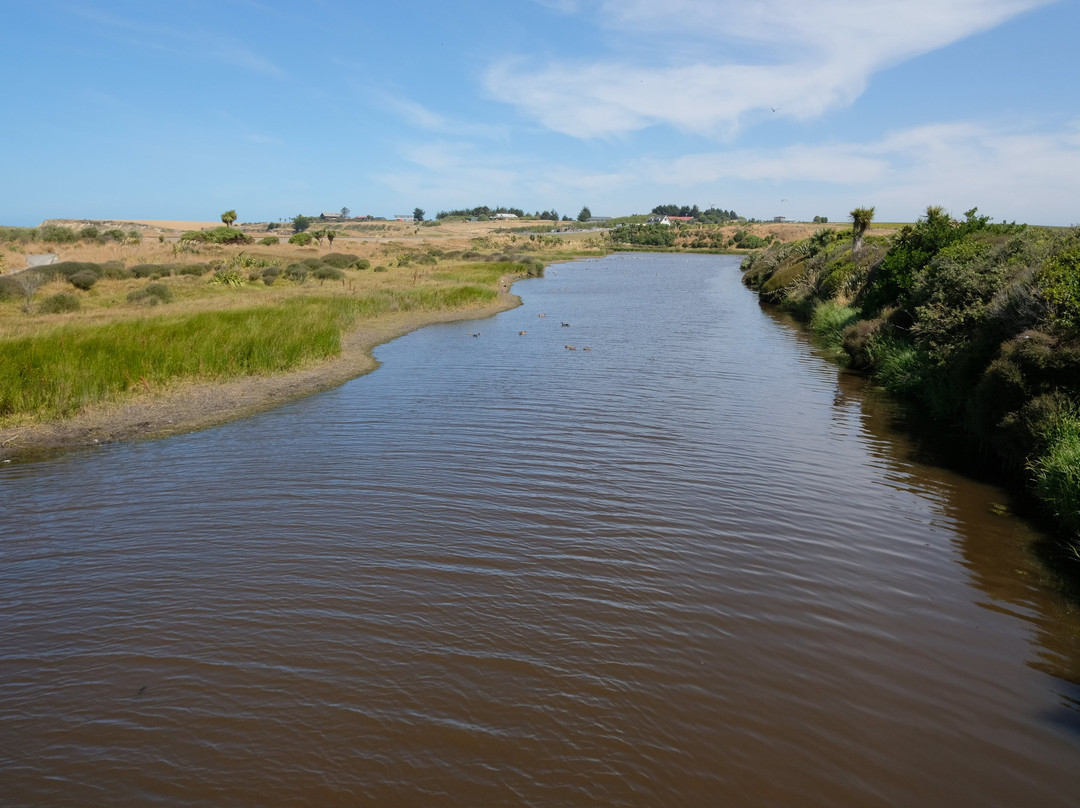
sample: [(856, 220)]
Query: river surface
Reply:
[(692, 566)]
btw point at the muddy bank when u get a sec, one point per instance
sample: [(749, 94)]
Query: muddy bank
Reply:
[(188, 407)]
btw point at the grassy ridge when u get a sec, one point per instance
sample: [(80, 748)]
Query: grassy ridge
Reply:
[(977, 325)]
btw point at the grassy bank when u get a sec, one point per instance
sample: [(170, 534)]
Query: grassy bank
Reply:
[(976, 325), (143, 318)]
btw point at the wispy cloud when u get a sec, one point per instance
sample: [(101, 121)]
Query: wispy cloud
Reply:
[(420, 117), (807, 58), (191, 42)]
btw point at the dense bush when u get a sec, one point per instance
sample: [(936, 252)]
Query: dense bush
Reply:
[(56, 234), (325, 272), (976, 324), (227, 235), (152, 294), (83, 280), (271, 274), (297, 273), (341, 260), (151, 270), (60, 303), (193, 270), (270, 240), (302, 239)]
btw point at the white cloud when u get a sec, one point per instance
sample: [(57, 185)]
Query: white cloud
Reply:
[(809, 58), (1016, 172), (419, 116)]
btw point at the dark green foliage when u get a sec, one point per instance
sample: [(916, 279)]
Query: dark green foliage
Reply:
[(90, 233), (56, 234), (748, 241), (585, 214), (325, 272), (194, 270), (649, 235), (978, 325), (270, 240), (9, 288), (297, 273), (83, 280), (194, 235), (271, 274), (341, 260), (60, 303), (227, 235), (302, 239), (115, 271), (1060, 282), (152, 294), (300, 223), (68, 269), (151, 270)]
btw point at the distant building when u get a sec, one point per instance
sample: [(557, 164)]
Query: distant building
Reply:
[(505, 216), (657, 218), (599, 219), (404, 217), (330, 217), (779, 219)]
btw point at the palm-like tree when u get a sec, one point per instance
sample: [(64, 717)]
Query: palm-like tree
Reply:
[(860, 218), (228, 217)]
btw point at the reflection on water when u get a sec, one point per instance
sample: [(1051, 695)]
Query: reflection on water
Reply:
[(693, 565)]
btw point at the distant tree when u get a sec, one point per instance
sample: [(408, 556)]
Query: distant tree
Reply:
[(301, 223), (860, 221), (228, 217), (301, 238), (821, 220), (345, 213), (585, 214), (330, 236), (418, 214)]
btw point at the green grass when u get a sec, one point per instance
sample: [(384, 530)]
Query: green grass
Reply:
[(1057, 472), (828, 321), (56, 373)]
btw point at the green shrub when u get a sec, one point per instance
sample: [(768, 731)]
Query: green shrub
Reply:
[(227, 235), (10, 289), (312, 263), (341, 260), (1060, 283), (269, 240), (1056, 470), (56, 234), (60, 303), (297, 273), (327, 273), (271, 274), (83, 280), (829, 320), (302, 239), (194, 236), (381, 268), (152, 294), (151, 270), (90, 233), (193, 270), (114, 234), (116, 271), (228, 277)]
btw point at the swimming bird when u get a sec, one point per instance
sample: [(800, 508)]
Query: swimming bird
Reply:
[(522, 333), (566, 325)]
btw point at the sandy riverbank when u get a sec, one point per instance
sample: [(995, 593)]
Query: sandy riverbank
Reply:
[(188, 407)]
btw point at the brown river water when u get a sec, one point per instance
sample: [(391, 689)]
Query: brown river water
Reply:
[(695, 565)]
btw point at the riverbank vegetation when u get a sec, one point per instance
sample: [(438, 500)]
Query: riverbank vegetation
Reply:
[(120, 319), (976, 325)]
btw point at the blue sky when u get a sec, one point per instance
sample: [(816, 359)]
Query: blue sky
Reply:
[(184, 109)]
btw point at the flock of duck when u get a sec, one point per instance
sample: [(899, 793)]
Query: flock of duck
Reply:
[(524, 332)]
